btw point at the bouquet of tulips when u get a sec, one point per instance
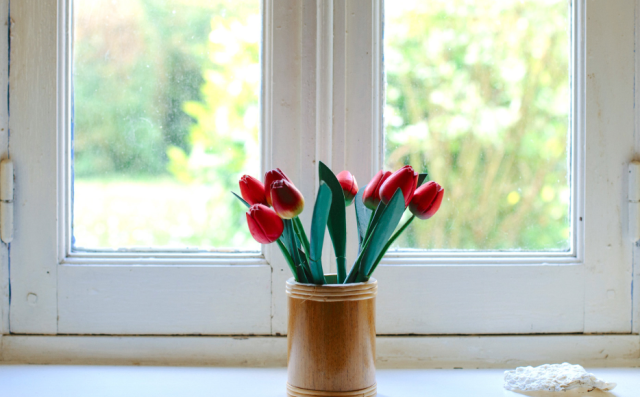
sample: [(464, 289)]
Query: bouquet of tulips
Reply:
[(275, 205)]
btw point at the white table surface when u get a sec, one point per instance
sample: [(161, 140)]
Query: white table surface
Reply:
[(99, 381)]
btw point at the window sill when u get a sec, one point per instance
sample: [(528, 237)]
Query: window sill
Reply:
[(393, 352), (97, 381)]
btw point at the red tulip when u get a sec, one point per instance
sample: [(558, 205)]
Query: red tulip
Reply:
[(286, 199), (426, 200), (371, 195), (252, 190), (264, 224), (405, 179), (349, 186), (269, 178)]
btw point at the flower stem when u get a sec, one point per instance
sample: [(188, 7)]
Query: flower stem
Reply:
[(388, 245)]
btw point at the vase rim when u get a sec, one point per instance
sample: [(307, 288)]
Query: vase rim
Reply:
[(332, 292), (370, 281)]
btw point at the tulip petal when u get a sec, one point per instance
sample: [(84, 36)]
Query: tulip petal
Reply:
[(270, 177), (252, 190), (286, 199), (435, 206), (349, 186), (264, 224), (406, 179), (256, 231), (371, 196), (426, 200)]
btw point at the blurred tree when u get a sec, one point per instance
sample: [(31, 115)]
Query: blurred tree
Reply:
[(135, 63), (478, 96), (166, 89), (224, 138)]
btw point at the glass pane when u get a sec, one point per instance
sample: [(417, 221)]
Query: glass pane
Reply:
[(166, 121), (478, 96)]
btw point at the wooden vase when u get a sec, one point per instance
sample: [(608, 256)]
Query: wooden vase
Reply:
[(331, 339)]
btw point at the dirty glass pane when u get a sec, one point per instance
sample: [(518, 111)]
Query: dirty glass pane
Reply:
[(478, 96), (165, 121)]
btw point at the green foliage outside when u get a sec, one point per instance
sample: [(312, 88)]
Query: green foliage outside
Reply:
[(478, 97), (166, 94)]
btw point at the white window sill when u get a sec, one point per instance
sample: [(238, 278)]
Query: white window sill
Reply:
[(98, 381)]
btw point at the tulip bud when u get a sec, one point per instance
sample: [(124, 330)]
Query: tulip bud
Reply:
[(286, 199), (269, 178), (426, 200), (264, 224), (252, 190), (405, 179), (349, 186), (371, 195)]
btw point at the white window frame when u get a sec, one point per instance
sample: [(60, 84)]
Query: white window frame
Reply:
[(322, 99)]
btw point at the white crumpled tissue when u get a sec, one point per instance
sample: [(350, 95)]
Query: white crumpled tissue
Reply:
[(553, 377)]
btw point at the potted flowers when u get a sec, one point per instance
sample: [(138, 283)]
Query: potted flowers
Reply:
[(331, 329)]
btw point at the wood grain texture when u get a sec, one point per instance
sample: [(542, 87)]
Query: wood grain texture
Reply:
[(293, 391), (331, 344)]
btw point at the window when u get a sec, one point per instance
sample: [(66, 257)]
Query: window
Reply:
[(165, 121), (323, 98), (478, 96)]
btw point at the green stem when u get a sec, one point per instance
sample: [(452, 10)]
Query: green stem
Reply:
[(389, 243), (287, 256), (303, 276), (306, 267), (341, 263), (355, 269), (297, 225), (306, 254)]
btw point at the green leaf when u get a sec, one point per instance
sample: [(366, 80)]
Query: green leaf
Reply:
[(241, 199), (421, 179), (337, 223), (363, 216), (289, 260), (302, 236), (304, 264), (389, 243), (356, 268), (318, 224), (385, 226), (285, 239), (291, 241), (373, 221), (303, 277)]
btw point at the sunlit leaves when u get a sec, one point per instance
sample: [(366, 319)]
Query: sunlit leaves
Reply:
[(478, 96)]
